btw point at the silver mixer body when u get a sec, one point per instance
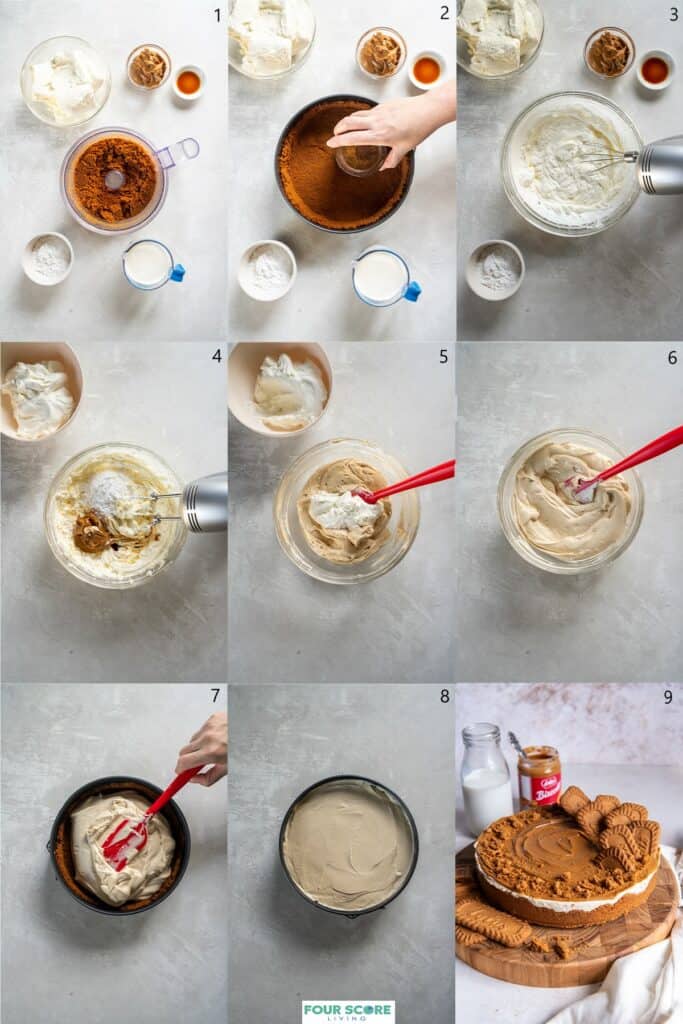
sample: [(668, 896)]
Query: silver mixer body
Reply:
[(660, 167)]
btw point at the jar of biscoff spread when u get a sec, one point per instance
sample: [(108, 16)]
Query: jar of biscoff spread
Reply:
[(540, 777)]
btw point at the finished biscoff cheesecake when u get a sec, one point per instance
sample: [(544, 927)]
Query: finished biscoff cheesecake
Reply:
[(578, 863)]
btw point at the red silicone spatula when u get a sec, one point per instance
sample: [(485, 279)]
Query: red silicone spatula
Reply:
[(129, 837), (659, 446), (444, 471)]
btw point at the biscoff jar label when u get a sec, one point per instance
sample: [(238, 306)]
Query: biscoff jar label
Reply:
[(540, 777)]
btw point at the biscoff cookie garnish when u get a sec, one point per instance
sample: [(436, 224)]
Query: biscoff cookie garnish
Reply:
[(466, 937), (573, 799), (625, 813), (606, 803), (494, 924), (619, 837), (590, 819), (624, 858), (563, 948), (646, 835)]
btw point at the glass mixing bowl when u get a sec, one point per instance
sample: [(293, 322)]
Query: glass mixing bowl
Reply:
[(514, 142), (174, 532), (235, 58), (43, 54), (542, 559), (527, 57), (164, 159), (403, 525)]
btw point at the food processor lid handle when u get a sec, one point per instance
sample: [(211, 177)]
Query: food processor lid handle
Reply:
[(185, 149), (413, 292), (178, 272)]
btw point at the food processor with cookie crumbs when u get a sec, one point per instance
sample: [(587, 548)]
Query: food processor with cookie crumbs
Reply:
[(164, 160)]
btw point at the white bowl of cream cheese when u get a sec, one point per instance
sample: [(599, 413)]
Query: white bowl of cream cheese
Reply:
[(65, 81)]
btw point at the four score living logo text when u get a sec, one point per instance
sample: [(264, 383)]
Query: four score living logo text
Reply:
[(361, 1011)]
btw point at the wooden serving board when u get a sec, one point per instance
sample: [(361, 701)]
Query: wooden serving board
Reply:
[(598, 946)]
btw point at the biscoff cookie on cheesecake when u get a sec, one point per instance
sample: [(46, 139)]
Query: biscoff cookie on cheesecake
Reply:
[(566, 870)]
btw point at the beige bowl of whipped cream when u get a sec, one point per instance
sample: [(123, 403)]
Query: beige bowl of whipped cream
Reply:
[(42, 385), (279, 389), (546, 524), (100, 516)]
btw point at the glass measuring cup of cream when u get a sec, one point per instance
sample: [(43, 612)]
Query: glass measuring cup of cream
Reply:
[(382, 278), (148, 265)]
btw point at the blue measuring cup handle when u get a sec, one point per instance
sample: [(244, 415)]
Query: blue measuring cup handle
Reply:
[(178, 272), (413, 292)]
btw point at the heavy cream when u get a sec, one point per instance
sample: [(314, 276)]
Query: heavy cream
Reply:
[(488, 797), (289, 394), (348, 845), (147, 869)]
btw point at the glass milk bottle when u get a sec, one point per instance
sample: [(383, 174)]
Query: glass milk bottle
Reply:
[(485, 776)]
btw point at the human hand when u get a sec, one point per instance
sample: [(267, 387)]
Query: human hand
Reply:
[(208, 746), (399, 124)]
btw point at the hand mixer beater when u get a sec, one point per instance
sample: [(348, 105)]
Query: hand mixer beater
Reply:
[(203, 504), (659, 164)]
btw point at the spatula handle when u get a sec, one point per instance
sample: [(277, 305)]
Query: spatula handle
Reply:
[(649, 451), (170, 791)]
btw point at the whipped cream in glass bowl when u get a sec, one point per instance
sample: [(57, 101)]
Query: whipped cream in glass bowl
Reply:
[(100, 519), (65, 82), (498, 38), (552, 167), (314, 545), (269, 39), (546, 524)]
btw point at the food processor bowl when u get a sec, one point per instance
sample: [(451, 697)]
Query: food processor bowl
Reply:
[(543, 559), (175, 531), (393, 798), (403, 525), (512, 148), (59, 844), (164, 159)]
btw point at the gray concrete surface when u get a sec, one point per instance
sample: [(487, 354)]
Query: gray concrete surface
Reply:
[(625, 283), (60, 961), (287, 627), (479, 998), (517, 623), (322, 302), (96, 302), (170, 398), (282, 949)]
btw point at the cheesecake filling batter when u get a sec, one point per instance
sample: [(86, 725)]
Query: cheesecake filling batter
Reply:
[(562, 165), (553, 519), (104, 516), (338, 526), (348, 845), (147, 869)]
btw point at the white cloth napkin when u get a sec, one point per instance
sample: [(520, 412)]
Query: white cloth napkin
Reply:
[(643, 988)]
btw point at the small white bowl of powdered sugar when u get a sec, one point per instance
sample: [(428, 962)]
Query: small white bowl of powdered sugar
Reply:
[(48, 259), (495, 270), (267, 270)]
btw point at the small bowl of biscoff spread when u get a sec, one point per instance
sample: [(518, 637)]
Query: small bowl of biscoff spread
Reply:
[(333, 535), (544, 520), (609, 52)]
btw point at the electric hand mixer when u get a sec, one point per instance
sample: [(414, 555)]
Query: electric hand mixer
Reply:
[(204, 504), (659, 164)]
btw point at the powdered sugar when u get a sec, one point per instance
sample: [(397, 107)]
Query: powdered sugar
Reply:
[(49, 259), (500, 269), (267, 272)]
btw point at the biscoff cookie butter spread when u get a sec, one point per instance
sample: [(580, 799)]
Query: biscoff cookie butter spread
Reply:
[(339, 526), (348, 845), (586, 861), (553, 519), (317, 187)]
